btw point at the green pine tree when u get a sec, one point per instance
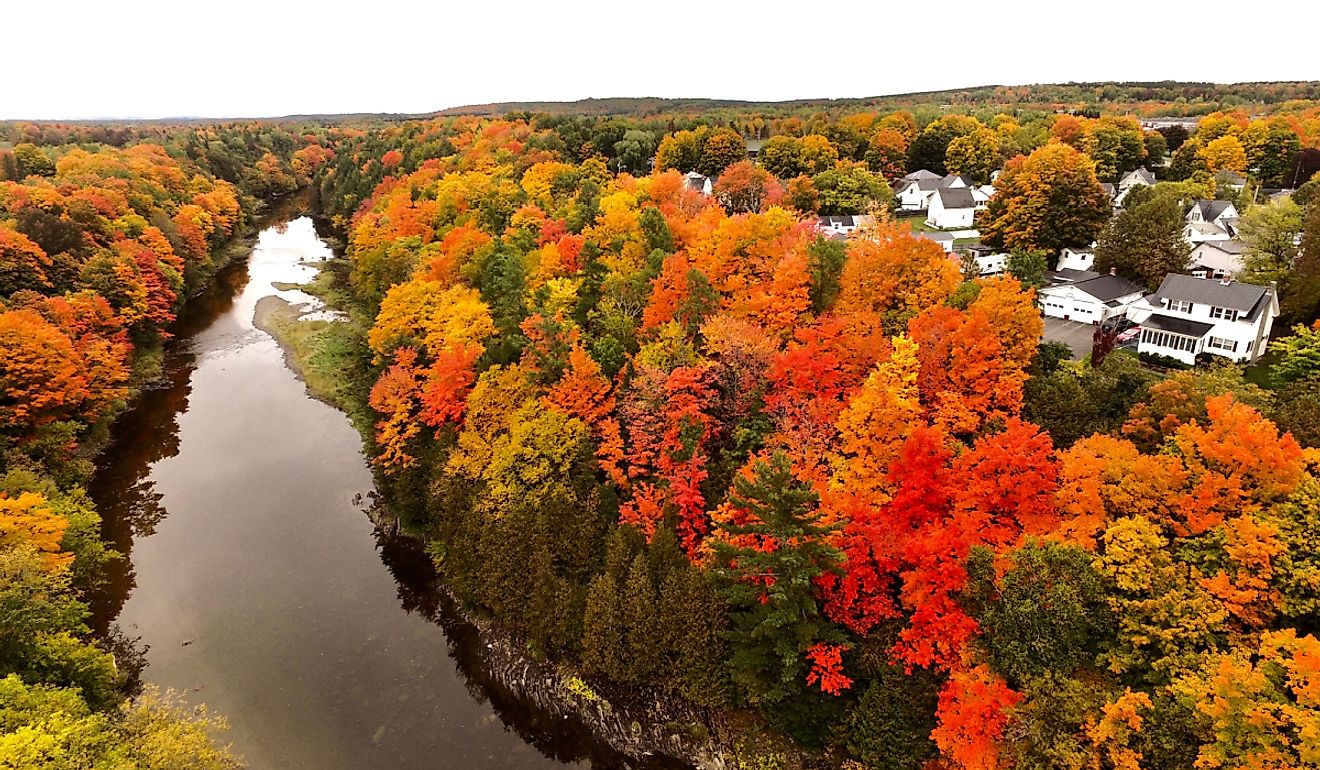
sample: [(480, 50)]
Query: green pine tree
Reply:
[(602, 629), (642, 633), (771, 593)]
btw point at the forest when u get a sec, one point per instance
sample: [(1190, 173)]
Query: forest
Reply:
[(836, 493), (689, 444)]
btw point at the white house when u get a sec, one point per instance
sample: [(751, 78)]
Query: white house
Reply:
[(982, 195), (1138, 178), (944, 240), (699, 182), (991, 262), (1204, 232), (844, 225), (914, 194), (1188, 315), (915, 191), (1222, 214), (1217, 259), (951, 208), (1077, 259), (1093, 300)]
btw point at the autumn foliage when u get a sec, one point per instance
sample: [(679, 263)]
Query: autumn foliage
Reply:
[(830, 441)]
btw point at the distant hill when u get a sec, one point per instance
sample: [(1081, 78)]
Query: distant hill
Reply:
[(1179, 98)]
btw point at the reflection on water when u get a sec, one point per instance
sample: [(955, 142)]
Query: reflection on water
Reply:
[(258, 586)]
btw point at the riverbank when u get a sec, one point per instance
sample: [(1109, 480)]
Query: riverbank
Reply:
[(329, 356)]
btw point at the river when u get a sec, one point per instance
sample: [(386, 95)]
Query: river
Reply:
[(259, 586)]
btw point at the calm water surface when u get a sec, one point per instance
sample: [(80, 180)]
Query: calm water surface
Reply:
[(261, 588)]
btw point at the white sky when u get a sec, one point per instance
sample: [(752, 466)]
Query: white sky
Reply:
[(254, 58)]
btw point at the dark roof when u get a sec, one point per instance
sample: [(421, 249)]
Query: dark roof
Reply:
[(1107, 287), (1212, 210), (937, 237), (1243, 297), (1166, 323), (921, 184), (1068, 275), (922, 174), (951, 178), (957, 198)]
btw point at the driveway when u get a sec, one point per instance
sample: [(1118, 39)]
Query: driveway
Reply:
[(1074, 334)]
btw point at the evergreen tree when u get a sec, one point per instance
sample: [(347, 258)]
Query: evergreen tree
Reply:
[(890, 727), (702, 622), (770, 590), (602, 629), (664, 555), (642, 633)]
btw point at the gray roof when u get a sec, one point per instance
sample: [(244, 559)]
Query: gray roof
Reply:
[(951, 178), (957, 198), (1108, 287), (922, 174), (1143, 175), (924, 185), (1068, 275), (1183, 326), (937, 237), (1212, 210), (1243, 297), (1228, 247), (1108, 188)]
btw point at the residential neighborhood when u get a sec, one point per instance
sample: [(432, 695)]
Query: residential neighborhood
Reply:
[(1198, 309)]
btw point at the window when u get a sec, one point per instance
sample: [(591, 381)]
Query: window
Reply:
[(1223, 344), (1180, 305), (1167, 340), (1226, 313)]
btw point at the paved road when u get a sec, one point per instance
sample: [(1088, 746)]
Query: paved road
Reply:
[(1074, 334)]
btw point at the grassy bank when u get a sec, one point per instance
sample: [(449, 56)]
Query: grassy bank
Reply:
[(330, 357)]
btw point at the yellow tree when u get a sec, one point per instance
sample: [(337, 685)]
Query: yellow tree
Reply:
[(1049, 200), (976, 155), (427, 315), (1224, 154), (28, 519)]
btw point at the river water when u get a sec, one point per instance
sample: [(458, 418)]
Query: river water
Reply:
[(257, 582)]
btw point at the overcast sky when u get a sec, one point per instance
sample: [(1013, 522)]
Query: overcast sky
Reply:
[(250, 58)]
